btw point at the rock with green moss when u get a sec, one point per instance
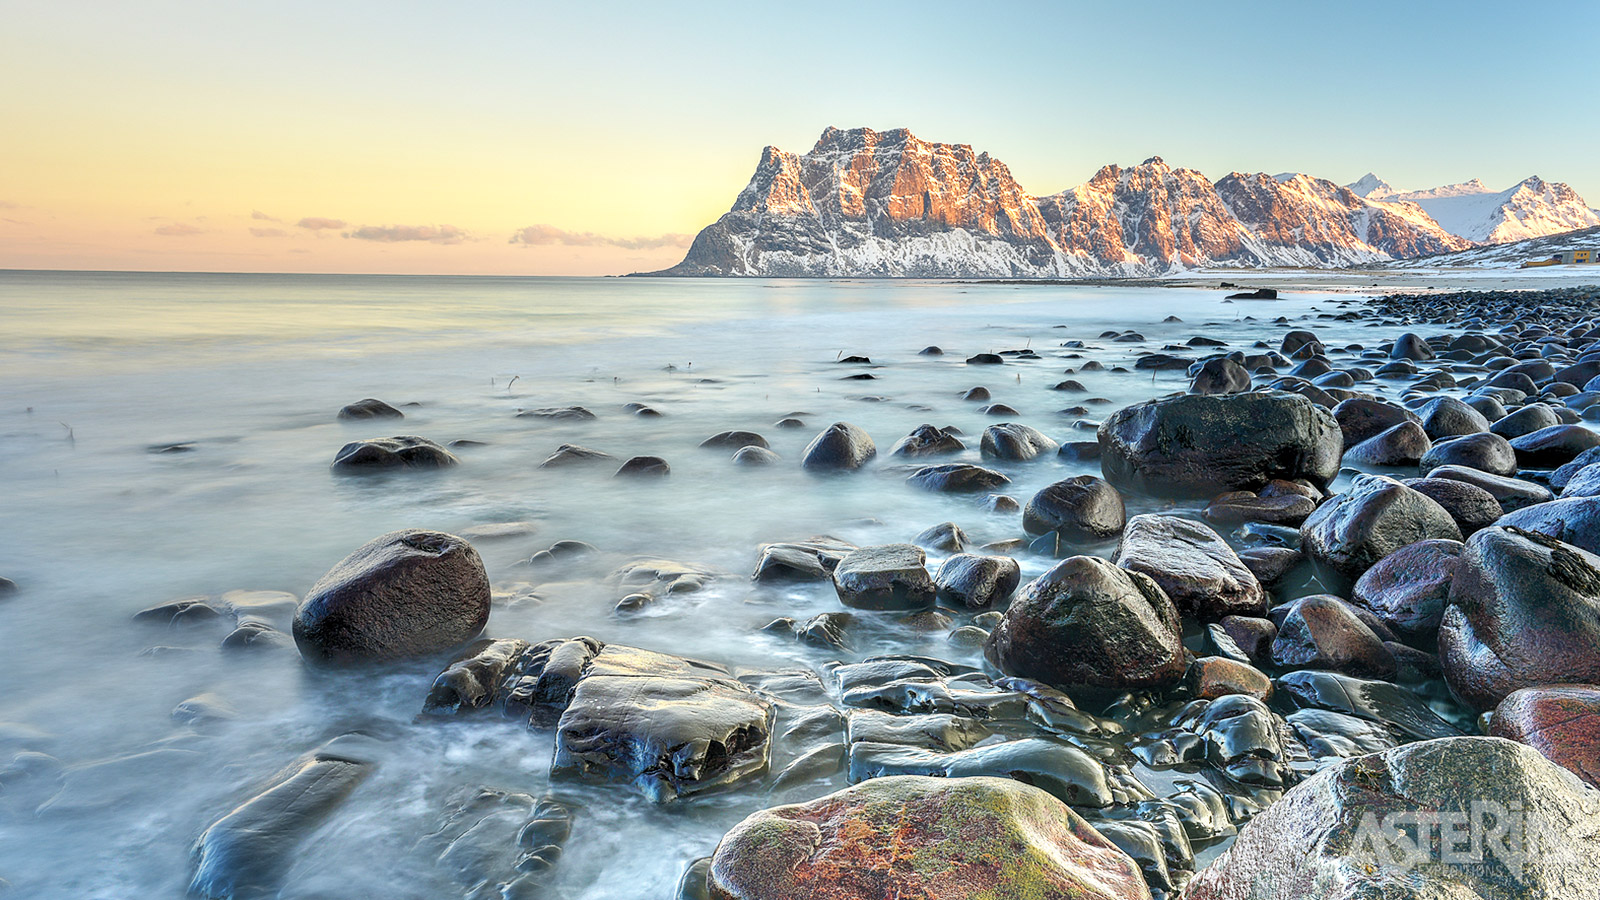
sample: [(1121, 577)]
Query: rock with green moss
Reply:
[(916, 837)]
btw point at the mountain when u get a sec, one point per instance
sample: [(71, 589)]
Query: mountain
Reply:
[(1509, 255), (863, 203), (1529, 209)]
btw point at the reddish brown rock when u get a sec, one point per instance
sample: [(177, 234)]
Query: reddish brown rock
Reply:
[(1562, 722)]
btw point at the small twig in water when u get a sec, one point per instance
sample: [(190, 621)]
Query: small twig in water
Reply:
[(71, 438), (512, 381)]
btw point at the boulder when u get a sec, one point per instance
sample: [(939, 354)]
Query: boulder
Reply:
[(1550, 447), (755, 456), (810, 560), (926, 440), (1083, 508), (1322, 632), (1471, 506), (1238, 507), (1573, 520), (1014, 442), (1091, 629), (957, 478), (1523, 611), (572, 454), (841, 447), (1411, 346), (644, 467), (1407, 589), (892, 576), (370, 409), (404, 451), (1220, 375), (1351, 531), (1200, 446), (1483, 451), (1402, 445), (404, 594), (1511, 493), (977, 582), (1562, 722), (1447, 417), (736, 440), (914, 836), (1526, 420), (1351, 831), (1193, 565), (1361, 418)]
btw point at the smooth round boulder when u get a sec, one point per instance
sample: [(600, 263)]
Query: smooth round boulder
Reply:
[(1090, 629), (1350, 831), (1237, 507), (1526, 420), (1411, 346), (1321, 632), (1361, 418), (1014, 442), (1193, 565), (735, 440), (644, 467), (1083, 508), (977, 582), (755, 456), (1523, 611), (1573, 520), (1220, 375), (1402, 445), (842, 447), (403, 451), (926, 440), (890, 576), (1352, 531), (1511, 493), (370, 408), (1550, 447), (1447, 417), (1470, 506), (1483, 451), (1200, 446), (404, 594), (913, 836), (957, 478), (1407, 589), (1562, 722)]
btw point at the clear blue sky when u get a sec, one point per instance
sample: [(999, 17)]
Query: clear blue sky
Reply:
[(219, 123)]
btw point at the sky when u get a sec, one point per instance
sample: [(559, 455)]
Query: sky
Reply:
[(596, 138)]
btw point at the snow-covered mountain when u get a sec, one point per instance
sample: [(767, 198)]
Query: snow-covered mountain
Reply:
[(1529, 209), (863, 203), (1509, 255)]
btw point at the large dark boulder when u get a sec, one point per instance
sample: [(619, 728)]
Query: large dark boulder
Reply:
[(1511, 493), (842, 446), (1193, 565), (1350, 831), (926, 440), (1447, 417), (1408, 589), (1526, 420), (407, 593), (1471, 506), (1483, 451), (1574, 520), (1524, 611), (1220, 375), (1014, 442), (1351, 531), (1562, 722), (404, 451), (957, 478), (1411, 346), (1361, 418), (891, 576), (1083, 508), (1091, 629), (1550, 447), (370, 408), (1322, 632), (1405, 444), (911, 836), (977, 582), (1199, 446)]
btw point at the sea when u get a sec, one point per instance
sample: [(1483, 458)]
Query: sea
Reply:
[(168, 436)]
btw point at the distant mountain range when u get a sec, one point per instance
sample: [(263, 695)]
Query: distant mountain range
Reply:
[(863, 203)]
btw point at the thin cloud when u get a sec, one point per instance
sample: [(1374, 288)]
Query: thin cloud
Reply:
[(260, 216), (318, 223), (269, 232), (549, 235), (179, 229), (7, 204), (393, 234)]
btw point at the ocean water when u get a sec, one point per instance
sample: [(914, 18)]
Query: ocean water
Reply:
[(96, 370)]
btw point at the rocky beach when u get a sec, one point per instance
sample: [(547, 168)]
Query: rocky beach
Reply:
[(832, 590)]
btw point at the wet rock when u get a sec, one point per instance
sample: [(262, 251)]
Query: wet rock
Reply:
[(370, 409), (1485, 452), (1574, 520), (933, 731), (502, 843), (572, 454), (471, 679), (1215, 677), (1197, 446), (1271, 565), (255, 636), (1408, 588), (985, 359), (841, 447), (180, 613), (755, 456), (1351, 531), (1017, 443), (977, 582), (1321, 632), (810, 560), (830, 629), (1526, 420), (891, 837), (1090, 628), (892, 576), (1193, 566), (557, 413), (1220, 375), (1375, 701), (1447, 417), (1562, 722), (7, 587), (1066, 772), (1325, 838), (926, 440), (1332, 735), (400, 452), (1361, 418), (1524, 611), (1411, 346), (1403, 445), (1238, 507), (247, 852), (1550, 447), (406, 593), (1511, 493), (736, 440), (946, 537), (644, 467), (1083, 508), (957, 478)]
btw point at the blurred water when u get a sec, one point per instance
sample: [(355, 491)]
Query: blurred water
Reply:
[(97, 368)]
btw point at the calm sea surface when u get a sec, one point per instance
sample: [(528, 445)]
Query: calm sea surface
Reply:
[(249, 370)]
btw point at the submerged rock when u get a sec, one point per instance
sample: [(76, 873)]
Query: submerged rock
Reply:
[(892, 576), (370, 409), (912, 836), (1083, 508), (926, 440), (572, 454), (404, 594), (809, 560), (978, 582), (1018, 443), (400, 452), (841, 447), (956, 478), (1200, 446)]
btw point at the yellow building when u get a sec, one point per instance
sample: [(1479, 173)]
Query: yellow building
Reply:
[(1568, 257)]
